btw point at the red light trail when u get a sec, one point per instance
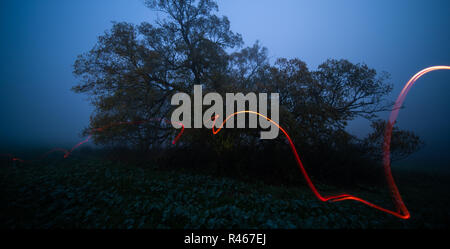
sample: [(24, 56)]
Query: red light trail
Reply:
[(67, 153), (401, 212)]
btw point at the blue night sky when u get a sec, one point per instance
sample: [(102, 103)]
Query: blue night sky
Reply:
[(41, 39)]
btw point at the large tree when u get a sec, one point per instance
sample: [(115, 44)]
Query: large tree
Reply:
[(134, 69)]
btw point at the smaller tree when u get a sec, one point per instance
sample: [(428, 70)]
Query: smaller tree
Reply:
[(347, 91), (403, 143)]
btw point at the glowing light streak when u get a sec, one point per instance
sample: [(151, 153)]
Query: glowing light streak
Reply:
[(67, 153), (402, 211)]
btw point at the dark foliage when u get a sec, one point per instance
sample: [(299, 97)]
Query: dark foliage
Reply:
[(133, 70)]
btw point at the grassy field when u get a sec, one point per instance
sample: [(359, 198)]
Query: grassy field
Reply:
[(81, 193)]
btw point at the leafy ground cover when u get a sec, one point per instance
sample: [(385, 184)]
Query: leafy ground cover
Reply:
[(80, 193)]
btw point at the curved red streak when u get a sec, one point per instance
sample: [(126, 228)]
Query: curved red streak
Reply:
[(12, 157), (333, 198), (56, 150), (401, 207), (67, 153), (402, 212)]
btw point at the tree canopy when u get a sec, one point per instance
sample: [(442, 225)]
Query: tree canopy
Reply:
[(133, 70)]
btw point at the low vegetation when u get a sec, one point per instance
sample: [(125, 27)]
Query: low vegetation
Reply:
[(81, 193)]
